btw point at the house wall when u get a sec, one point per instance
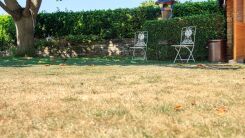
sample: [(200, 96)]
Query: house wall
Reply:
[(239, 11), (239, 30)]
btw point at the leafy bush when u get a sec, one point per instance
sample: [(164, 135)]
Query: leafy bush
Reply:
[(196, 8), (7, 32), (106, 24), (109, 24), (208, 27)]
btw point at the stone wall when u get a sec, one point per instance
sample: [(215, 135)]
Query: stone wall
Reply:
[(109, 48), (113, 47), (64, 49)]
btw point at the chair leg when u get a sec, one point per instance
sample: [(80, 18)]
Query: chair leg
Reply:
[(178, 54), (145, 56), (191, 57), (133, 54), (180, 58)]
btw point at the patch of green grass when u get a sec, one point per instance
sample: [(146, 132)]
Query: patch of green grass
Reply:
[(167, 109), (70, 99), (107, 113)]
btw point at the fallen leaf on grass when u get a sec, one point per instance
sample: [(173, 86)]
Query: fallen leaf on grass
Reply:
[(178, 107), (47, 65), (62, 64), (201, 66), (221, 110), (193, 102)]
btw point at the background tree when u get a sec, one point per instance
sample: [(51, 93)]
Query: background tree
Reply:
[(25, 21), (149, 3)]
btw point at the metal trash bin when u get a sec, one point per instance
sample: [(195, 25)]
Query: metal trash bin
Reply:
[(217, 50)]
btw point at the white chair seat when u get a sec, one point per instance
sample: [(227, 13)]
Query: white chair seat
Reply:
[(182, 45), (138, 47)]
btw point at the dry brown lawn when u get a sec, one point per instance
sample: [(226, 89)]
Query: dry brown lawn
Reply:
[(121, 101)]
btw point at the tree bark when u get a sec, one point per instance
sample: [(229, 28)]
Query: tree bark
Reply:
[(25, 20), (25, 36)]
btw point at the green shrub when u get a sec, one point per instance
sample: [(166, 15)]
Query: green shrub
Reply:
[(109, 24), (7, 32), (106, 24), (208, 27), (196, 8)]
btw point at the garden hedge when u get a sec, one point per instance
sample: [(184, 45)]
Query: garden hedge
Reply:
[(106, 24), (208, 27), (196, 8)]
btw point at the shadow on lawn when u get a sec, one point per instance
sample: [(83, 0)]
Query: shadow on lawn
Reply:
[(109, 61), (98, 61)]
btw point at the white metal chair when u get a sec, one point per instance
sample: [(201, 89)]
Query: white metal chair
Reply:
[(140, 44), (187, 41)]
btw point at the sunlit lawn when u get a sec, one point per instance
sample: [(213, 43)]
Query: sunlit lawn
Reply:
[(119, 98)]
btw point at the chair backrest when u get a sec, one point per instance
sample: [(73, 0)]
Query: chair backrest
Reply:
[(141, 39), (188, 35)]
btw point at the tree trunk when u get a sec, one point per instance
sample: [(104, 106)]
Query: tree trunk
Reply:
[(25, 36), (25, 20)]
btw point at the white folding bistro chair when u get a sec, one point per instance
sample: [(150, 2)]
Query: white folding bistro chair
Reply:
[(187, 41), (140, 44)]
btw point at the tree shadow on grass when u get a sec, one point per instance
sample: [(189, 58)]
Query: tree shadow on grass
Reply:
[(95, 61), (110, 61), (208, 66)]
